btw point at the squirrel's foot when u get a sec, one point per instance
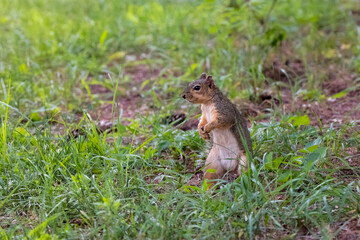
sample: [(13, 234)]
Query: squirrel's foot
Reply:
[(205, 136)]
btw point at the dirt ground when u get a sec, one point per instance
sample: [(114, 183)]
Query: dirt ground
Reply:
[(326, 109), (131, 104)]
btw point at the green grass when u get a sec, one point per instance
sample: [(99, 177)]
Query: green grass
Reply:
[(132, 183)]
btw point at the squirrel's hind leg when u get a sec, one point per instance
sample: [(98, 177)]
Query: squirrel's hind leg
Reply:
[(213, 168)]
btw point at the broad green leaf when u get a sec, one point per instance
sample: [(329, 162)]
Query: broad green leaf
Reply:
[(284, 177), (311, 159), (146, 82), (330, 53), (156, 9), (55, 111), (23, 68), (317, 154), (298, 160), (3, 234), (38, 231), (102, 38), (316, 142), (3, 20), (271, 163), (188, 188), (120, 128), (20, 131), (117, 55), (206, 185), (300, 120), (193, 66), (46, 236), (277, 162), (35, 116), (339, 95), (131, 14), (311, 146), (213, 29)]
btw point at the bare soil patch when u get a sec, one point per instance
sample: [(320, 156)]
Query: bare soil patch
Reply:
[(339, 109), (180, 120), (356, 16), (347, 166), (127, 106), (349, 229), (284, 71)]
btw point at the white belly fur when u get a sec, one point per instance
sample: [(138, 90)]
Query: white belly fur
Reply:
[(207, 110), (226, 148)]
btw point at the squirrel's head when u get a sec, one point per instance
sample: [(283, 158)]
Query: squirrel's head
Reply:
[(201, 90)]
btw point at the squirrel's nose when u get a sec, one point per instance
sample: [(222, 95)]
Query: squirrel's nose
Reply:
[(184, 97)]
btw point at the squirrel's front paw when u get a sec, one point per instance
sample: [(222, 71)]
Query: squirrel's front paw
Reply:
[(203, 134)]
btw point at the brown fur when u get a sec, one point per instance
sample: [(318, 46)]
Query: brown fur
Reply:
[(221, 120)]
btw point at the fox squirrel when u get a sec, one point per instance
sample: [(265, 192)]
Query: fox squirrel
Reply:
[(223, 122)]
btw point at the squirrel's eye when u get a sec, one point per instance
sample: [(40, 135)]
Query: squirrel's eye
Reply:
[(196, 88)]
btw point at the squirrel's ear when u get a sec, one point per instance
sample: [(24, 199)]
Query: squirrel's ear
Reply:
[(203, 76), (210, 81)]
